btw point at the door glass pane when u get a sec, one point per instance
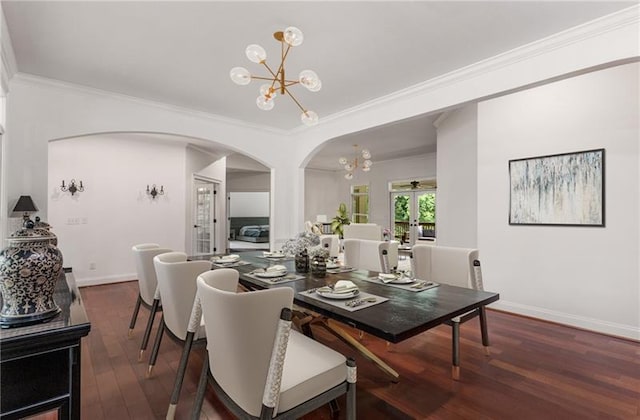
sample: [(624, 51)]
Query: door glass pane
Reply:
[(203, 222), (402, 216), (427, 214)]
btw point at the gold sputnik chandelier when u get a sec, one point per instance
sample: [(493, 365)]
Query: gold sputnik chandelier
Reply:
[(352, 165), (277, 83)]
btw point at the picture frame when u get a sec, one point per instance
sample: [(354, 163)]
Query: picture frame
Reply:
[(566, 189)]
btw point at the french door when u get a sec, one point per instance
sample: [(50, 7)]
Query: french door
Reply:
[(413, 216), (204, 222)]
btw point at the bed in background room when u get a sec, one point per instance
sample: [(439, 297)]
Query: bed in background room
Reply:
[(250, 229)]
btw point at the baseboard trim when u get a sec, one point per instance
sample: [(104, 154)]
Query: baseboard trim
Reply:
[(590, 324), (96, 281)]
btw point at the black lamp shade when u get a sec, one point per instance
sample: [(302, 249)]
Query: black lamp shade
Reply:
[(25, 204)]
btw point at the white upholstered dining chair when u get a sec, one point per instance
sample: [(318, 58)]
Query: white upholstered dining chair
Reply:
[(370, 231), (258, 366), (366, 254), (177, 289), (331, 243), (147, 282), (457, 267)]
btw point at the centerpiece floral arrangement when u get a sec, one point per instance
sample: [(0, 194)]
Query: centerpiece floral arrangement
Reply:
[(318, 251), (386, 234)]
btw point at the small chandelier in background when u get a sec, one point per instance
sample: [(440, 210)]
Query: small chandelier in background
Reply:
[(277, 83), (72, 187), (153, 192), (352, 165)]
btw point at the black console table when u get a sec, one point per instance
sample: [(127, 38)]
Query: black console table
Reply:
[(40, 364)]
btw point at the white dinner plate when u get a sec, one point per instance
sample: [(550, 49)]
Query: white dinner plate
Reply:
[(402, 280), (274, 255), (226, 260), (270, 274), (332, 295)]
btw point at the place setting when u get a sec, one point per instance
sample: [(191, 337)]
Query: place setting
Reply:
[(334, 267), (228, 261), (273, 274), (274, 256), (402, 280), (344, 294)]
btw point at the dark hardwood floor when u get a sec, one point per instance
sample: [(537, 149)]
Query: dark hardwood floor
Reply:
[(537, 370)]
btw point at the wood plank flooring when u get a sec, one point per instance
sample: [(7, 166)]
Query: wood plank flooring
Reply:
[(537, 370)]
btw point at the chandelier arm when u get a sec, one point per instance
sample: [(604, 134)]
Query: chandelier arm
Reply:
[(295, 100), (291, 82), (262, 78), (275, 76)]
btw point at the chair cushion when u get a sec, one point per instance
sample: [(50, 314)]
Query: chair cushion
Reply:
[(310, 368)]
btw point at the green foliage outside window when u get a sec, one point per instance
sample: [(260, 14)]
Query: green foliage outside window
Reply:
[(426, 207)]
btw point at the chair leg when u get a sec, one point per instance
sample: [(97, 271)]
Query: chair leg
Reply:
[(484, 331), (182, 368), (156, 347), (455, 350), (335, 409), (202, 387), (134, 317), (351, 389), (147, 331)]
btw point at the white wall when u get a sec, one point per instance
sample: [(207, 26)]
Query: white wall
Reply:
[(457, 193), (248, 204), (99, 225), (587, 277), (322, 194), (248, 181)]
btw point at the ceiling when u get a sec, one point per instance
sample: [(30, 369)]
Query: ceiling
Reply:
[(180, 53)]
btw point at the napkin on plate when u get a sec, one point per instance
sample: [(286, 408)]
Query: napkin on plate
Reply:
[(387, 277), (228, 258), (272, 254), (275, 268), (341, 286)]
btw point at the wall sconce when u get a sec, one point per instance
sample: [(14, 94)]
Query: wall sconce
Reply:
[(72, 187), (153, 192)]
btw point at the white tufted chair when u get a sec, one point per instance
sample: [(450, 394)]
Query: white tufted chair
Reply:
[(369, 255), (177, 289), (147, 282), (457, 267), (258, 366), (370, 231)]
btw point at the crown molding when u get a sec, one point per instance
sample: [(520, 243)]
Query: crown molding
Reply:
[(31, 79), (596, 27)]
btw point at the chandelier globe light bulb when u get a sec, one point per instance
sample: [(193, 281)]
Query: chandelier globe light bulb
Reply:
[(348, 175), (366, 168), (256, 53), (293, 36), (366, 154), (343, 161), (367, 164), (240, 76), (310, 80), (349, 167), (309, 118), (264, 103), (268, 91)]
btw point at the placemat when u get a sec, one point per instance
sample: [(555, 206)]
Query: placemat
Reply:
[(230, 265), (359, 302), (275, 258), (340, 270), (418, 286), (276, 280)]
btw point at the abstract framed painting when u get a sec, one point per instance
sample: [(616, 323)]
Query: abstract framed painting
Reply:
[(565, 189)]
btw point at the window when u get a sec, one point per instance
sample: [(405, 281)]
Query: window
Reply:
[(360, 203)]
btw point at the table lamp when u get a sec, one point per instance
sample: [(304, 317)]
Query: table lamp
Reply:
[(25, 204)]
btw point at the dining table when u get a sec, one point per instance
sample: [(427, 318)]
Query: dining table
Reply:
[(391, 313)]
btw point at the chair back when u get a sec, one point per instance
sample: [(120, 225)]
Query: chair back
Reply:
[(147, 281), (241, 329), (369, 231), (177, 285), (368, 255), (332, 243), (447, 265)]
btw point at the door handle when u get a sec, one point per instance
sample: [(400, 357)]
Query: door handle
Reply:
[(196, 226)]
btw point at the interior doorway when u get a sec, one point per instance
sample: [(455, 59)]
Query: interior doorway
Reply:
[(204, 221), (413, 213)]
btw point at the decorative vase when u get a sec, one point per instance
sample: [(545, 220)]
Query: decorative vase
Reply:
[(319, 267), (302, 262), (29, 269)]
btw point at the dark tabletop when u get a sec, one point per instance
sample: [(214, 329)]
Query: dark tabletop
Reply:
[(404, 315)]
